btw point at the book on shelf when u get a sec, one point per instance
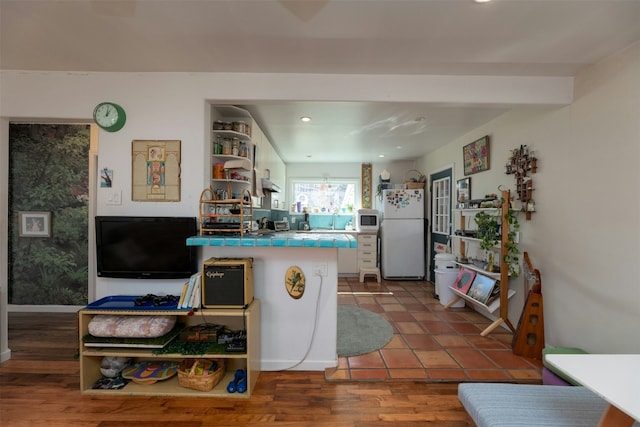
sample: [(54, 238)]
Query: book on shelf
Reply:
[(464, 280), (483, 288), (183, 294), (188, 299)]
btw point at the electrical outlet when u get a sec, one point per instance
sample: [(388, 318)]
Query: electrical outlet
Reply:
[(320, 269)]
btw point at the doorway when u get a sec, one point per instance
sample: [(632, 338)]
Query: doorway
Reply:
[(440, 233), (50, 184)]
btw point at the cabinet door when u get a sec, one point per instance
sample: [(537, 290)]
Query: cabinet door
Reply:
[(347, 261)]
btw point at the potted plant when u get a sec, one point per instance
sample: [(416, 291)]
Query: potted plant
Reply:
[(488, 225), (489, 233)]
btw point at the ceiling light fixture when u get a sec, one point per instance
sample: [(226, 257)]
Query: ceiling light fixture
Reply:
[(481, 1), (305, 119), (381, 155)]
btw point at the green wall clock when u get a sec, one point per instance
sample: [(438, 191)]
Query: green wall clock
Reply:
[(109, 116)]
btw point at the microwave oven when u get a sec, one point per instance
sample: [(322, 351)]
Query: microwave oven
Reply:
[(368, 220)]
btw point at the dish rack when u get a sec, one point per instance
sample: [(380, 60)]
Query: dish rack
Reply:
[(225, 215)]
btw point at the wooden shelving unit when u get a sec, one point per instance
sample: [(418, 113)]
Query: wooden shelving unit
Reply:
[(235, 319), (505, 293)]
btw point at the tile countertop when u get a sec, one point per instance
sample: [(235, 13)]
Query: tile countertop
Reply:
[(313, 239)]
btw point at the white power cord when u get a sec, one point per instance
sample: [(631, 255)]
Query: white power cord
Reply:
[(313, 333)]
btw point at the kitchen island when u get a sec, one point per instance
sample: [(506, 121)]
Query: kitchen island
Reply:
[(298, 334)]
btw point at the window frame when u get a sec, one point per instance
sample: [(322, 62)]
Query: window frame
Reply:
[(355, 181)]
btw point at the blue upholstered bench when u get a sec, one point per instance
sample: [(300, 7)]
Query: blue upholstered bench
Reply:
[(512, 405)]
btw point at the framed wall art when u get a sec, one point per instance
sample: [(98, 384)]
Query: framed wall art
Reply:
[(463, 190), (366, 186), (155, 173), (35, 224), (476, 156)]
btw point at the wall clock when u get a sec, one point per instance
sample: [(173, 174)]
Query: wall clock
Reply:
[(109, 116), (294, 282)]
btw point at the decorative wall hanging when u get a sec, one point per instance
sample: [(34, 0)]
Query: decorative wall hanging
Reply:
[(155, 171), (294, 282), (522, 163), (35, 224), (366, 186), (106, 178), (476, 156)]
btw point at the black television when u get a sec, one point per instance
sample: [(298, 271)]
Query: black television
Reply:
[(136, 247)]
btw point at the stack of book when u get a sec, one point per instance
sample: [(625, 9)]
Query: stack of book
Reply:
[(191, 296)]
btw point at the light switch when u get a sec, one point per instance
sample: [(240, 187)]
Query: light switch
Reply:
[(115, 198)]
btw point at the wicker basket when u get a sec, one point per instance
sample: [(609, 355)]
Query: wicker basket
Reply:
[(188, 378), (415, 182)]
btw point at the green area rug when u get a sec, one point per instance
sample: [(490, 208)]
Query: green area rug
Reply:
[(361, 331)]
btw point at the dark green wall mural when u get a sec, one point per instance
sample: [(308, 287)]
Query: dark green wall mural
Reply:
[(48, 176)]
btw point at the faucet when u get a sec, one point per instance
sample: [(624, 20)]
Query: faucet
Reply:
[(333, 221)]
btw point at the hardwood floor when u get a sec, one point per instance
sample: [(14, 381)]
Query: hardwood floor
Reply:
[(40, 386)]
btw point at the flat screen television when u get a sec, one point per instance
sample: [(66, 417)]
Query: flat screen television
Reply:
[(137, 247)]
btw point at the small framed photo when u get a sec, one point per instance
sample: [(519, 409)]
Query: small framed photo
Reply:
[(463, 190), (35, 224)]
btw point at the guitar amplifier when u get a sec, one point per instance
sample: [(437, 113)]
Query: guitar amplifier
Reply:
[(227, 282)]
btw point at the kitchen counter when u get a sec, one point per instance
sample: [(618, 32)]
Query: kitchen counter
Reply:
[(310, 238), (301, 333)]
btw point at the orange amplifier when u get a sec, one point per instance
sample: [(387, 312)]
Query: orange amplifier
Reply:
[(227, 282)]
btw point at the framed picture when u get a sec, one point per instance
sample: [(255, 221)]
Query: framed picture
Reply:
[(35, 224), (464, 280), (482, 288), (463, 190), (155, 170), (476, 156), (366, 186)]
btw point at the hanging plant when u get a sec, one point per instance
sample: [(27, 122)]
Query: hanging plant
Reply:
[(512, 255), (489, 232)]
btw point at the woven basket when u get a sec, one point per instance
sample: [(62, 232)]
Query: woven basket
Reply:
[(416, 182), (188, 378)]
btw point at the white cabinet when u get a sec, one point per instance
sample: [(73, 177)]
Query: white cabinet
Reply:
[(367, 251), (270, 165), (347, 261)]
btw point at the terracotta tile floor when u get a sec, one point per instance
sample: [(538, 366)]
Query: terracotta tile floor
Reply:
[(430, 343)]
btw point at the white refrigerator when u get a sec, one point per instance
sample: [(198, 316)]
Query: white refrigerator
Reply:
[(402, 238)]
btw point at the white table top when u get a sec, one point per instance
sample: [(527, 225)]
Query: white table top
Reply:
[(614, 377)]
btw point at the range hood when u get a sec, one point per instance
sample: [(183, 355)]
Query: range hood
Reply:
[(268, 185)]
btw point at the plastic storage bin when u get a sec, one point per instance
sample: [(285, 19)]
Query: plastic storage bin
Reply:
[(442, 262), (445, 278)]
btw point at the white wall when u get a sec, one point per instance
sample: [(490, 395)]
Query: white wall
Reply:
[(584, 237), (175, 106)]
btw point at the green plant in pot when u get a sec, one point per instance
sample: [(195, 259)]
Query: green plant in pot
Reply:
[(488, 224)]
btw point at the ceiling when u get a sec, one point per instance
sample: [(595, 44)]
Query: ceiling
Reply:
[(385, 37)]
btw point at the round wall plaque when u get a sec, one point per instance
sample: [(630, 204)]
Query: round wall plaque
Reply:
[(294, 282)]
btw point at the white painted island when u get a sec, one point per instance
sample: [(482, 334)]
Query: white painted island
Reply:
[(298, 334)]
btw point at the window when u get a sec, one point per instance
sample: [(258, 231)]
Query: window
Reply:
[(441, 206), (327, 196)]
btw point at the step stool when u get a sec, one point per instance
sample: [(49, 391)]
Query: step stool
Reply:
[(370, 271)]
